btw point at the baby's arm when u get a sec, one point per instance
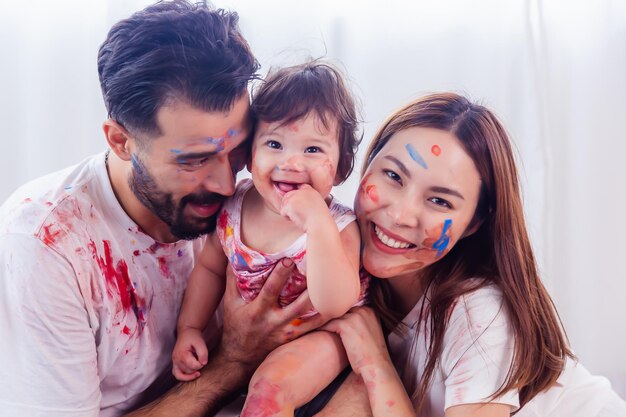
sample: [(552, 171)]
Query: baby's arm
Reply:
[(332, 257), (202, 296), (333, 267)]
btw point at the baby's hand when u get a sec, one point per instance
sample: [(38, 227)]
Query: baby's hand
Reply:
[(190, 355), (304, 207)]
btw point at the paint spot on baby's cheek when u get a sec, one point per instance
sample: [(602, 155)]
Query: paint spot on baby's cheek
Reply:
[(297, 322), (436, 150)]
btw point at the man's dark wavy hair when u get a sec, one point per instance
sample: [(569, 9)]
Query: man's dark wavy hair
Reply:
[(173, 51)]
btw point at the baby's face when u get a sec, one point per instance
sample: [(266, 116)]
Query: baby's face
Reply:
[(287, 156)]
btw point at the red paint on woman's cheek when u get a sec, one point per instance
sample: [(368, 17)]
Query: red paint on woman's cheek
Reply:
[(436, 150), (372, 193)]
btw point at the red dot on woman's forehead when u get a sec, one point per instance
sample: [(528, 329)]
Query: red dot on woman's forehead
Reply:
[(436, 150)]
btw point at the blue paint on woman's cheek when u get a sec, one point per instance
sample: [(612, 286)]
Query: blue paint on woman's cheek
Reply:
[(414, 154), (442, 243)]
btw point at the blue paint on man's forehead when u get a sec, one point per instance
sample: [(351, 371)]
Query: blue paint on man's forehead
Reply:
[(414, 154)]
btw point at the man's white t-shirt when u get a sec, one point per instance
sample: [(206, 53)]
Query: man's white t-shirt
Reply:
[(88, 302), (477, 353)]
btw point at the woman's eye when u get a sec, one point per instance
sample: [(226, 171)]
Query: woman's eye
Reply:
[(273, 144), (395, 177), (313, 149), (441, 202)]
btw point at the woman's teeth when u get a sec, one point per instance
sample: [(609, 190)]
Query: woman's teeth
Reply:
[(388, 241)]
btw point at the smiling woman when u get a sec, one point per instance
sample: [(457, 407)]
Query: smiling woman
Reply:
[(471, 330)]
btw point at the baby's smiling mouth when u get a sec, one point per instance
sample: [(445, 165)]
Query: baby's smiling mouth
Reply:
[(286, 186)]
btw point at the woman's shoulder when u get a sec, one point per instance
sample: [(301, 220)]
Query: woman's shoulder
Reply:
[(480, 308)]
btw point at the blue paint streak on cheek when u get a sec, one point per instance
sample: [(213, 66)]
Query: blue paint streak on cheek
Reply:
[(176, 151), (442, 243), (416, 156), (219, 143)]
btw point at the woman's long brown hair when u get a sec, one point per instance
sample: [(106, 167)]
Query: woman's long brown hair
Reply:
[(499, 251)]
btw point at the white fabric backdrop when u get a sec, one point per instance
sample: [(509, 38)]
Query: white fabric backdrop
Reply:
[(553, 71)]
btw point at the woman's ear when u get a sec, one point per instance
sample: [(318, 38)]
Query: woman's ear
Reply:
[(118, 138)]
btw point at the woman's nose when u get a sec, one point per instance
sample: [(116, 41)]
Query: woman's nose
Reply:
[(405, 213)]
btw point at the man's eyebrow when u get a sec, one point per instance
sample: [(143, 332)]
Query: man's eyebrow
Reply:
[(181, 156), (445, 190), (400, 165)]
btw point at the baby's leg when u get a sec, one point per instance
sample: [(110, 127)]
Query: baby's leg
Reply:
[(294, 374)]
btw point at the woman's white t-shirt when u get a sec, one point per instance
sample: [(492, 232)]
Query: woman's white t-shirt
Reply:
[(478, 350)]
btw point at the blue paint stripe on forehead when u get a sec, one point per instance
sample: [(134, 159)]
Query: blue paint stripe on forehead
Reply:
[(416, 156)]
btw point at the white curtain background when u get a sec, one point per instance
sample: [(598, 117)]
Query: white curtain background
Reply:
[(554, 71)]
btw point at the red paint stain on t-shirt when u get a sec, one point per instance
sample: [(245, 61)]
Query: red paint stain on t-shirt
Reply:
[(117, 279), (126, 330), (49, 235), (136, 253), (163, 266)]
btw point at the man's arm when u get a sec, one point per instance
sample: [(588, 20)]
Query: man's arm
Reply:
[(251, 331)]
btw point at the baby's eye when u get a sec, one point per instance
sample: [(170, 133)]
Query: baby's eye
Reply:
[(394, 176), (274, 144), (313, 149), (441, 202)]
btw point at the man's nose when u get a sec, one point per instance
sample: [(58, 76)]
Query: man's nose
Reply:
[(220, 178)]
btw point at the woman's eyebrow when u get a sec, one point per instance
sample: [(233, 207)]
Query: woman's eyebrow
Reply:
[(400, 165), (449, 191)]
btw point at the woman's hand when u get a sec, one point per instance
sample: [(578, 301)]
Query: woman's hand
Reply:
[(364, 342), (362, 337)]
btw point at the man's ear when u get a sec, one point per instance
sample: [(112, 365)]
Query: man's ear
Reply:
[(117, 138)]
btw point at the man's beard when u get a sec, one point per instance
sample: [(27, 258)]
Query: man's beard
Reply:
[(162, 205)]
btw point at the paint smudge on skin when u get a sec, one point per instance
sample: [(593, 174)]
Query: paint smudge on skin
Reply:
[(49, 235), (297, 322), (372, 193), (163, 266), (262, 400), (390, 403), (436, 150), (176, 151), (442, 243), (416, 156), (179, 253)]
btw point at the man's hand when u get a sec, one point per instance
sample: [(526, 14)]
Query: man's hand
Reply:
[(253, 330)]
